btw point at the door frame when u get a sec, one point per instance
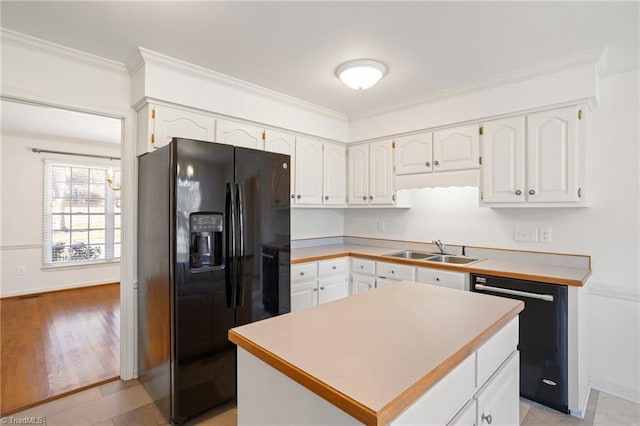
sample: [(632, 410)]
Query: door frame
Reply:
[(128, 254)]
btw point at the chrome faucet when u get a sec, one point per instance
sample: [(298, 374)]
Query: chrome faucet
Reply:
[(440, 246)]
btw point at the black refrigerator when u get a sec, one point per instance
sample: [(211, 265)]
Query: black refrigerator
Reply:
[(213, 240)]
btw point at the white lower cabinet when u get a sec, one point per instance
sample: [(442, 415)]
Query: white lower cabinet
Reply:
[(362, 283), (314, 283), (383, 282), (451, 279), (467, 395)]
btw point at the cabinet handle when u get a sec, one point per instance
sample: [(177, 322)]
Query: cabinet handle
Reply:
[(428, 164), (532, 192), (302, 274), (437, 278), (293, 195), (315, 289), (321, 288), (326, 197), (298, 196), (436, 163), (364, 197), (361, 266), (488, 418), (393, 272), (518, 192), (371, 197), (368, 285), (333, 267)]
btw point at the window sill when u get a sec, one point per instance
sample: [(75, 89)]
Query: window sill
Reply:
[(80, 265)]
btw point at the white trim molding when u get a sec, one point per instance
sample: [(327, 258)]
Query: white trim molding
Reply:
[(50, 289), (623, 392), (623, 293), (598, 57), (49, 48), (32, 246), (146, 56)]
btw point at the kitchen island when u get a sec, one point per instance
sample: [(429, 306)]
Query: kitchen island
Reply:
[(408, 353)]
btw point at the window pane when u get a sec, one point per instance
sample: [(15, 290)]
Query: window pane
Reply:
[(79, 183), (60, 205), (79, 206), (60, 222), (116, 201), (116, 235), (60, 237), (96, 236), (82, 251), (80, 221), (116, 250), (96, 251), (97, 176), (79, 237), (61, 181), (96, 206), (96, 221), (116, 221)]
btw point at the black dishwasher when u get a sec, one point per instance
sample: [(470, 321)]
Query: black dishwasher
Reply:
[(543, 336)]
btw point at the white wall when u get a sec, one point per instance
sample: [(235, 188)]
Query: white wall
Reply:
[(21, 190), (609, 231), (316, 223)]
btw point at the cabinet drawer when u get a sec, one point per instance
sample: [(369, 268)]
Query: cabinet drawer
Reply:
[(332, 266), (304, 271), (395, 271), (362, 266), (498, 401), (458, 280), (495, 351), (441, 403)]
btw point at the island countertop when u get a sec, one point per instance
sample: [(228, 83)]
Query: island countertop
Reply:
[(373, 354)]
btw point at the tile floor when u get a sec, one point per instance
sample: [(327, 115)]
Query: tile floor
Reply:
[(126, 403)]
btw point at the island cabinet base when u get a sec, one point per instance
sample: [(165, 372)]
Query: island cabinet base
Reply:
[(482, 389)]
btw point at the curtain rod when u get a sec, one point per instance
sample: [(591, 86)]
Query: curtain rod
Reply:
[(106, 157)]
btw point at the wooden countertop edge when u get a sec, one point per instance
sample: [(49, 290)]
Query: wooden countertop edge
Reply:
[(335, 397), (397, 405), (459, 268)]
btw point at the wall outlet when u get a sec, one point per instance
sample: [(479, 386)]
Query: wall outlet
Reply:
[(545, 235), (381, 226), (20, 270), (525, 234), (323, 226)]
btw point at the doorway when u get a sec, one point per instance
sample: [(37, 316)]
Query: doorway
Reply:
[(60, 244)]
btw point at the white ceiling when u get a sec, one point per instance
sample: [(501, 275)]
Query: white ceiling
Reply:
[(41, 120), (294, 47)]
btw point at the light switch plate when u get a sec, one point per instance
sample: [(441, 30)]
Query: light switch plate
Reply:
[(545, 235), (525, 234)]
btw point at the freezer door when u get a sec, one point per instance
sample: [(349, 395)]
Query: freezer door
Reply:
[(263, 187), (204, 359)]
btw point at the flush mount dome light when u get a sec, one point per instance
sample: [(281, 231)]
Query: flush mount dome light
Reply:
[(361, 74)]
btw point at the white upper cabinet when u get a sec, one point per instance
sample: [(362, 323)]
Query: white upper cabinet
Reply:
[(358, 174), (308, 172), (334, 180), (370, 171), (283, 143), (533, 160), (503, 155), (381, 173), (457, 148), (158, 124), (242, 135), (552, 156), (414, 154)]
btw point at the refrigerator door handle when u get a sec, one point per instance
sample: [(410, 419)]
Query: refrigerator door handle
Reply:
[(240, 288), (230, 274)]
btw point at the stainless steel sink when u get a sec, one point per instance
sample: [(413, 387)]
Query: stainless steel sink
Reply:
[(447, 258), (410, 254)]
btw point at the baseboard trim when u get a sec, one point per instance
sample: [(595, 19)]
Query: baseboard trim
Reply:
[(623, 293), (615, 389), (58, 289)]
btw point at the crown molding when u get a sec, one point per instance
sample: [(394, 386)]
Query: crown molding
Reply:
[(47, 47), (597, 57), (146, 56)]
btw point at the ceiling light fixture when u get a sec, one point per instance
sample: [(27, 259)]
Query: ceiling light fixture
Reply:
[(361, 73)]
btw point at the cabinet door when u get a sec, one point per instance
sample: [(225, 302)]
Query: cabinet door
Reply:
[(237, 134), (498, 401), (362, 283), (308, 172), (334, 172), (414, 154), (552, 156), (332, 288), (503, 168), (358, 174), (381, 173), (176, 123), (304, 294), (457, 148), (382, 282), (283, 143), (451, 279)]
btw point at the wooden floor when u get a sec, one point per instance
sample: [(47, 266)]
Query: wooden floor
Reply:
[(56, 343)]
